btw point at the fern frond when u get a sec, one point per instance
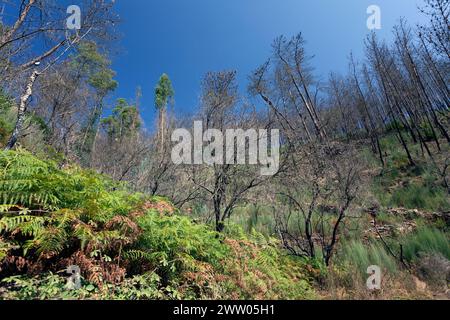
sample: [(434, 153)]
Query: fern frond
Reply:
[(51, 240), (29, 225), (137, 255)]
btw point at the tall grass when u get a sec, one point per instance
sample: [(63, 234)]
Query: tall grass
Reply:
[(255, 217), (360, 256), (421, 197), (426, 240), (412, 188)]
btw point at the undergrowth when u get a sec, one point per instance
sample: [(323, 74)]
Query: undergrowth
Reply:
[(127, 245)]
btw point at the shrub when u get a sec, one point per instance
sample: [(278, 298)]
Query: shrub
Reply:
[(427, 131), (257, 269), (435, 269), (52, 286), (6, 118), (58, 217), (173, 244), (127, 245)]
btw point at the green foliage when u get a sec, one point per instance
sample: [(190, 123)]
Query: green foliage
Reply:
[(127, 246), (45, 209), (416, 187), (45, 287), (411, 190), (53, 286), (90, 63), (255, 217), (29, 182), (174, 244), (394, 125), (425, 241), (5, 247), (428, 132), (34, 184), (163, 92), (123, 122), (7, 118), (257, 269), (421, 197), (360, 256)]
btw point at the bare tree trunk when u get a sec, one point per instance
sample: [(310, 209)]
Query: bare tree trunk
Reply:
[(22, 110), (305, 96), (416, 76), (395, 121), (373, 129), (163, 128)]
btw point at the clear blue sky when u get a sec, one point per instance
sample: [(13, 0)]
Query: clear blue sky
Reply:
[(187, 38)]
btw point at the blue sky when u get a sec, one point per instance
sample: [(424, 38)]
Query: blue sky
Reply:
[(187, 38)]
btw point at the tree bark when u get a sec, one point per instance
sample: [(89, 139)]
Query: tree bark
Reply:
[(22, 111)]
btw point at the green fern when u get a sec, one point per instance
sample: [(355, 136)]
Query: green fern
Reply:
[(138, 255), (51, 208)]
